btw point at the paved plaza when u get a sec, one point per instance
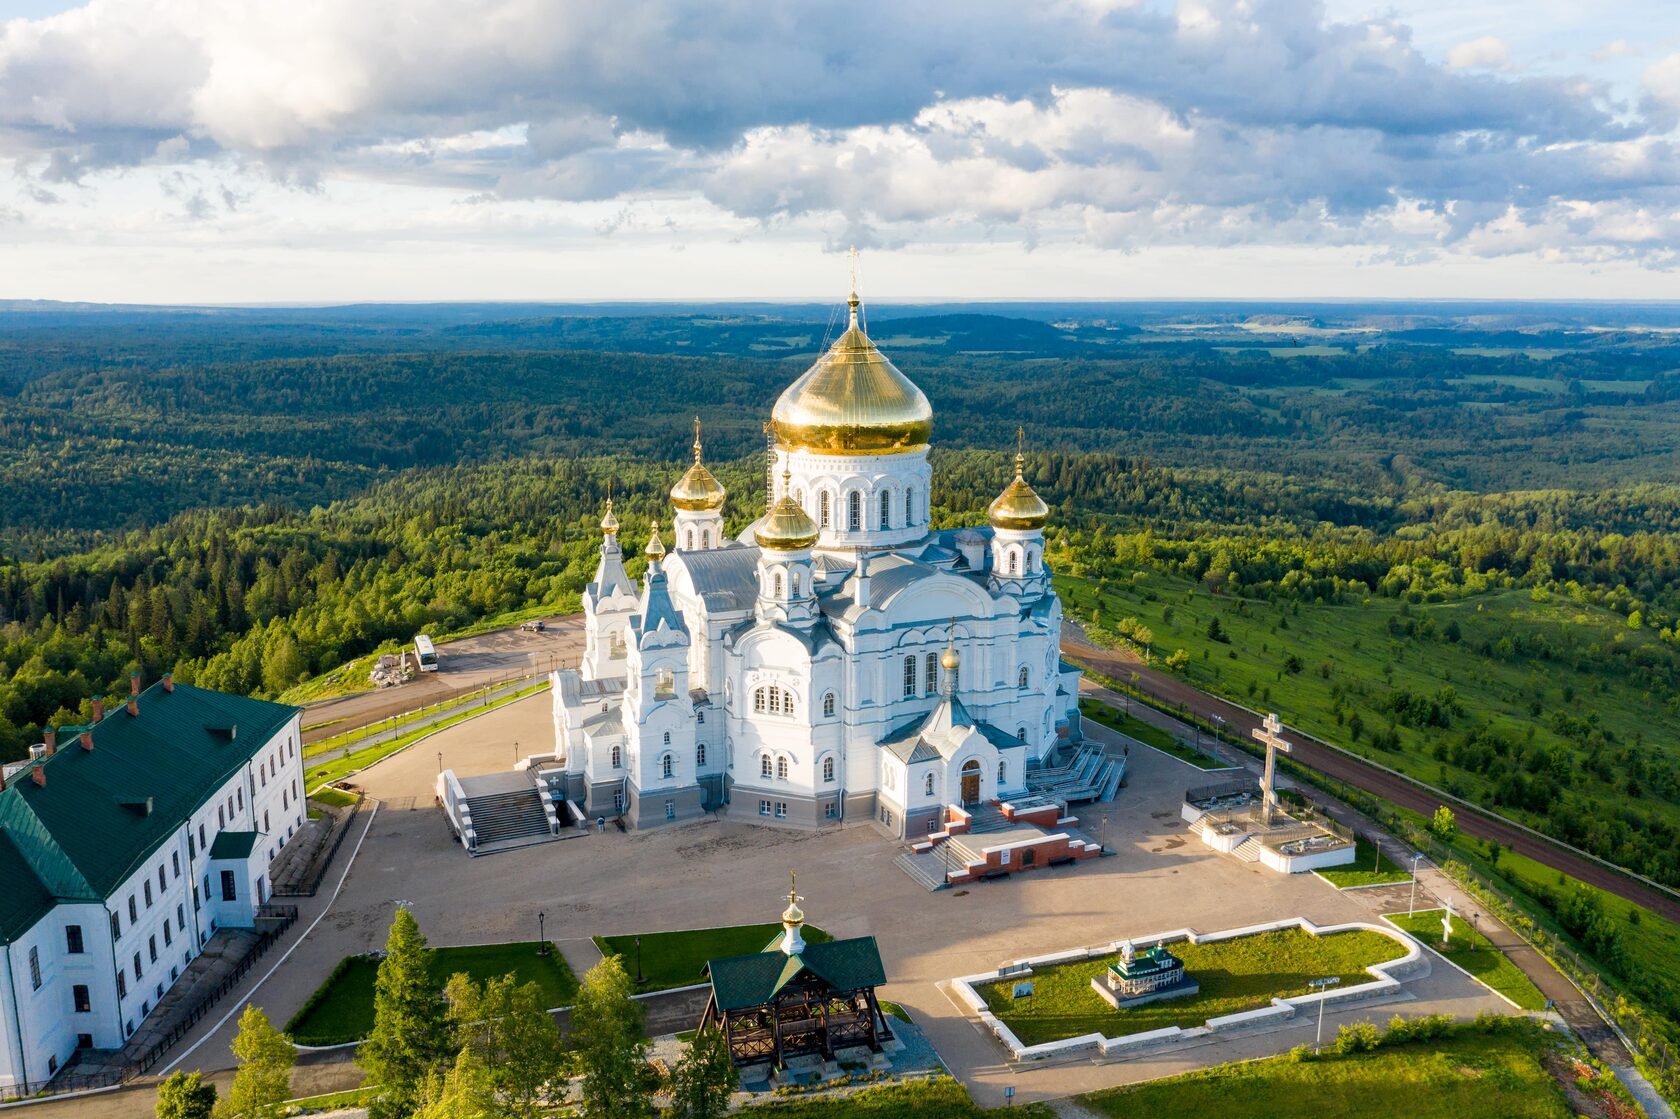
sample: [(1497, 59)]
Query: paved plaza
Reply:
[(701, 874)]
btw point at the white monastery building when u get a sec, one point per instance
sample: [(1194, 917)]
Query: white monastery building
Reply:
[(841, 658), (124, 846)]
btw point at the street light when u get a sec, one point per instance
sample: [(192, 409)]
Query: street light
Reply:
[(440, 763), (1102, 835), (542, 940), (1411, 906), (639, 979), (1321, 985), (516, 751)]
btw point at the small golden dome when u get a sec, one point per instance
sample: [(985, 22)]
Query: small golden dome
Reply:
[(786, 528), (655, 549), (853, 401), (698, 490), (1018, 506), (609, 522), (949, 659)]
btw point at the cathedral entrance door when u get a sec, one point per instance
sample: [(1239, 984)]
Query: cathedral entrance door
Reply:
[(971, 782)]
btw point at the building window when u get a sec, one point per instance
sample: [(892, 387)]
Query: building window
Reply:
[(618, 801), (666, 766), (781, 810), (700, 717), (828, 705), (122, 985), (175, 863), (138, 975), (168, 937), (829, 810), (927, 785), (773, 700), (705, 538), (1021, 678), (229, 893), (700, 754), (822, 509), (854, 511), (1021, 733), (35, 968), (1003, 770), (664, 683), (133, 910), (116, 926), (181, 917), (776, 583), (670, 810), (909, 507), (828, 769), (759, 700), (688, 540), (1014, 562), (151, 948), (764, 766), (146, 887), (667, 740), (932, 674), (794, 582), (764, 808), (81, 999), (73, 939), (781, 769), (910, 675), (163, 882), (886, 509), (617, 757)]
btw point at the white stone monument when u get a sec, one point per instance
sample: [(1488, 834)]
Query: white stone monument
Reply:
[(1270, 733)]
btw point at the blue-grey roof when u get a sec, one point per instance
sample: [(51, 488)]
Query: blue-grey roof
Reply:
[(726, 579), (657, 607)]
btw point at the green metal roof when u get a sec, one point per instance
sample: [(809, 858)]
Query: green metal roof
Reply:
[(233, 845), (845, 965), (24, 899), (104, 812)]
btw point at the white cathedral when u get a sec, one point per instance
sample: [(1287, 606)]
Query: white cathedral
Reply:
[(841, 659)]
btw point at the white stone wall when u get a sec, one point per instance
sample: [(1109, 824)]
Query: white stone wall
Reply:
[(868, 476)]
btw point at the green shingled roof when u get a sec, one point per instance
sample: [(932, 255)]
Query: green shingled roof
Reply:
[(24, 899), (845, 965), (233, 845), (103, 812)]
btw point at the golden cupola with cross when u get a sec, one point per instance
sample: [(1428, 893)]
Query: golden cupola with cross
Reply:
[(1017, 518), (698, 497)]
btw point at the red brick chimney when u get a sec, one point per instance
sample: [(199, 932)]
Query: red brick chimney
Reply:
[(87, 739), (38, 764), (98, 708), (49, 738), (168, 681), (134, 693)]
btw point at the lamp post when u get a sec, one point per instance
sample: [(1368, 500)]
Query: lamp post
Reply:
[(440, 762), (542, 939), (1411, 906), (1102, 835), (639, 979), (516, 751), (1321, 985)]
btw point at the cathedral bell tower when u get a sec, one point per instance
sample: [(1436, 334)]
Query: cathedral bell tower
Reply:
[(609, 602), (1017, 518), (785, 536), (699, 499)]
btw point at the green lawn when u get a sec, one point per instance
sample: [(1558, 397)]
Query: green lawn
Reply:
[(341, 1009), (1466, 1074), (1147, 733), (1369, 868), (333, 798), (1486, 963), (938, 1098), (1235, 975), (674, 959)]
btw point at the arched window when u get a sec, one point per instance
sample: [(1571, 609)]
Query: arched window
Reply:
[(778, 585), (688, 537), (828, 705), (664, 683), (794, 576), (822, 509), (667, 738), (1021, 680), (910, 506), (854, 511), (764, 766), (910, 675), (781, 769), (927, 785), (700, 754), (1002, 769), (1029, 561), (667, 765), (760, 698), (617, 758), (1014, 563), (932, 674), (886, 508), (705, 538), (828, 769)]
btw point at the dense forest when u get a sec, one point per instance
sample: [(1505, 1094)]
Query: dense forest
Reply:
[(250, 508)]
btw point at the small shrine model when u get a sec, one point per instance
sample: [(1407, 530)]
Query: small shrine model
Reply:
[(1140, 977)]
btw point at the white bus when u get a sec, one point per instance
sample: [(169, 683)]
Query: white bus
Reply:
[(425, 653)]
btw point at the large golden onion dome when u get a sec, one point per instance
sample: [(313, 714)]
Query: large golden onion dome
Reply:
[(853, 401), (786, 527), (1018, 506), (697, 490)]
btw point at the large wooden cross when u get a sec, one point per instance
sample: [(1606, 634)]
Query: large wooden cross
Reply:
[(1270, 733)]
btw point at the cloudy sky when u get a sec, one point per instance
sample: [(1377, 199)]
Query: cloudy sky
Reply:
[(329, 150)]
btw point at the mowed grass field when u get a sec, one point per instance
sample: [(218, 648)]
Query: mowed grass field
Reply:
[(1235, 975), (1347, 658), (675, 959), (342, 1009), (1473, 953), (1467, 1074)]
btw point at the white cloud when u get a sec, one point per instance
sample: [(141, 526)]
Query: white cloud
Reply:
[(1484, 53)]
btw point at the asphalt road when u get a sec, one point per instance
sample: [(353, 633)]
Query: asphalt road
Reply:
[(1122, 665)]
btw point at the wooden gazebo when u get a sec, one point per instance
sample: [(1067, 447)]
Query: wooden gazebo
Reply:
[(795, 998)]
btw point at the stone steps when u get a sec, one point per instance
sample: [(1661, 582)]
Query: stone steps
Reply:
[(928, 869), (504, 817)]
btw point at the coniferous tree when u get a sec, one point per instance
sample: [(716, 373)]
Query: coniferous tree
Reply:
[(410, 1039), (264, 1079), (465, 1091), (608, 1045)]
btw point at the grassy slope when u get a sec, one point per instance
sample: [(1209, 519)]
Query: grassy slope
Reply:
[(1147, 733), (943, 1098), (1235, 975), (1369, 868), (1476, 956), (1466, 1075), (674, 959), (1353, 648), (344, 1012)]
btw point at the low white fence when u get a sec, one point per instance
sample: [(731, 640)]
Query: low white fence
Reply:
[(1385, 980)]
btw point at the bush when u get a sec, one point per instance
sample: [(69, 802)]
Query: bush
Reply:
[(1361, 1037)]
